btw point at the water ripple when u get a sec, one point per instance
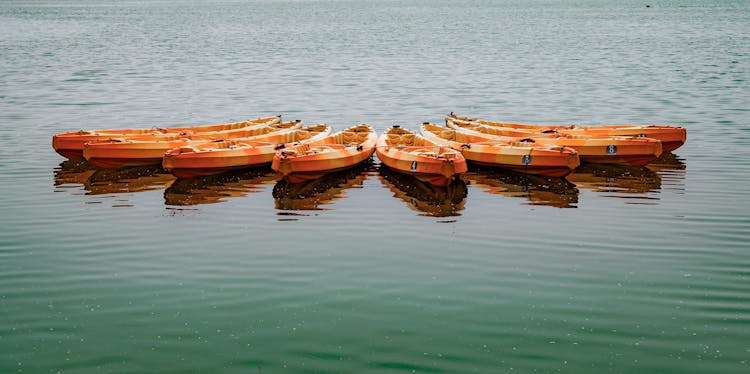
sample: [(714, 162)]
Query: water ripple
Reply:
[(365, 270)]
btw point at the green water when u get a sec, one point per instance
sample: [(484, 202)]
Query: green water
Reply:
[(614, 270)]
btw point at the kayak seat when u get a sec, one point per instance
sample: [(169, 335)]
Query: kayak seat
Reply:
[(301, 135), (448, 134)]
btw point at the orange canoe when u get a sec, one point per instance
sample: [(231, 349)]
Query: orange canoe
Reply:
[(220, 156), (635, 151), (70, 144), (525, 157), (671, 137), (339, 151), (428, 161), (115, 153)]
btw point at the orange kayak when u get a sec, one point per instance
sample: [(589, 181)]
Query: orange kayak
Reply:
[(220, 156), (525, 157), (635, 151), (428, 161), (70, 144), (115, 153), (671, 137), (338, 151)]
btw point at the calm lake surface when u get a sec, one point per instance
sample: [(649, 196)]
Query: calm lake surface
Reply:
[(631, 270)]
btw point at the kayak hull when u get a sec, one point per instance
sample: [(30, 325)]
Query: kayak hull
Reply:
[(545, 160), (415, 155), (218, 157), (129, 152), (336, 152), (605, 150), (71, 144), (672, 137)]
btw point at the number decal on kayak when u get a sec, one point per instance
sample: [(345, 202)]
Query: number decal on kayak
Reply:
[(413, 166), (611, 149), (526, 159)]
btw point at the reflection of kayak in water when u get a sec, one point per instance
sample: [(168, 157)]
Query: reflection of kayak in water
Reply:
[(616, 178), (73, 172), (539, 190), (134, 179), (312, 194), (106, 181), (437, 201), (668, 161), (671, 169), (218, 188)]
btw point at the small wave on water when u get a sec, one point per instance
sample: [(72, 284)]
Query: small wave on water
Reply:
[(612, 268)]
